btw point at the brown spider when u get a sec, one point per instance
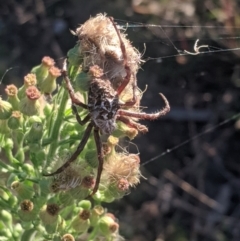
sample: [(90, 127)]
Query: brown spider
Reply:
[(105, 108)]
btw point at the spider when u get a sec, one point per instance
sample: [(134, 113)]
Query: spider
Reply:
[(105, 108)]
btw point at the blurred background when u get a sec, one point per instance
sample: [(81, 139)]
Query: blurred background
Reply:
[(191, 192)]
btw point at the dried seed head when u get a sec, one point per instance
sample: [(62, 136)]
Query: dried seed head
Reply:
[(100, 45), (123, 185), (122, 170), (70, 178), (26, 206), (26, 212), (95, 71), (84, 214), (52, 209)]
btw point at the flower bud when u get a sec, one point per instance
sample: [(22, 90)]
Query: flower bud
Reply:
[(12, 92), (41, 70), (26, 212), (48, 85), (49, 213), (30, 105), (29, 80), (21, 190), (85, 204), (97, 211), (81, 222), (107, 225), (15, 121), (5, 109), (35, 133)]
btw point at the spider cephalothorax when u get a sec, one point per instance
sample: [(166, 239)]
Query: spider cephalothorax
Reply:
[(104, 104)]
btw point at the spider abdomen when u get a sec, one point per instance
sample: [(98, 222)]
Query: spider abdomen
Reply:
[(103, 102)]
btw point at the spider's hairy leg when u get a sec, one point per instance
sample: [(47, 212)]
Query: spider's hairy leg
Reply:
[(76, 153), (70, 89), (100, 160), (127, 67), (132, 124), (146, 116)]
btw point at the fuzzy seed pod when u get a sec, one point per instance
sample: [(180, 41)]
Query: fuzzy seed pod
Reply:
[(121, 167)]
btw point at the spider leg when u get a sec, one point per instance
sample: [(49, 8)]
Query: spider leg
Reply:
[(76, 153), (79, 120), (127, 67), (70, 89), (146, 116), (100, 160), (132, 124)]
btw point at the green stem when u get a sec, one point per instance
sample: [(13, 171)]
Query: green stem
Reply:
[(56, 124), (93, 234), (11, 158)]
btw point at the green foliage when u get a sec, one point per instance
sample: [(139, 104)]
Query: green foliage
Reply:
[(37, 137)]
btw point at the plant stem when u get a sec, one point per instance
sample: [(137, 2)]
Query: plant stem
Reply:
[(56, 124)]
